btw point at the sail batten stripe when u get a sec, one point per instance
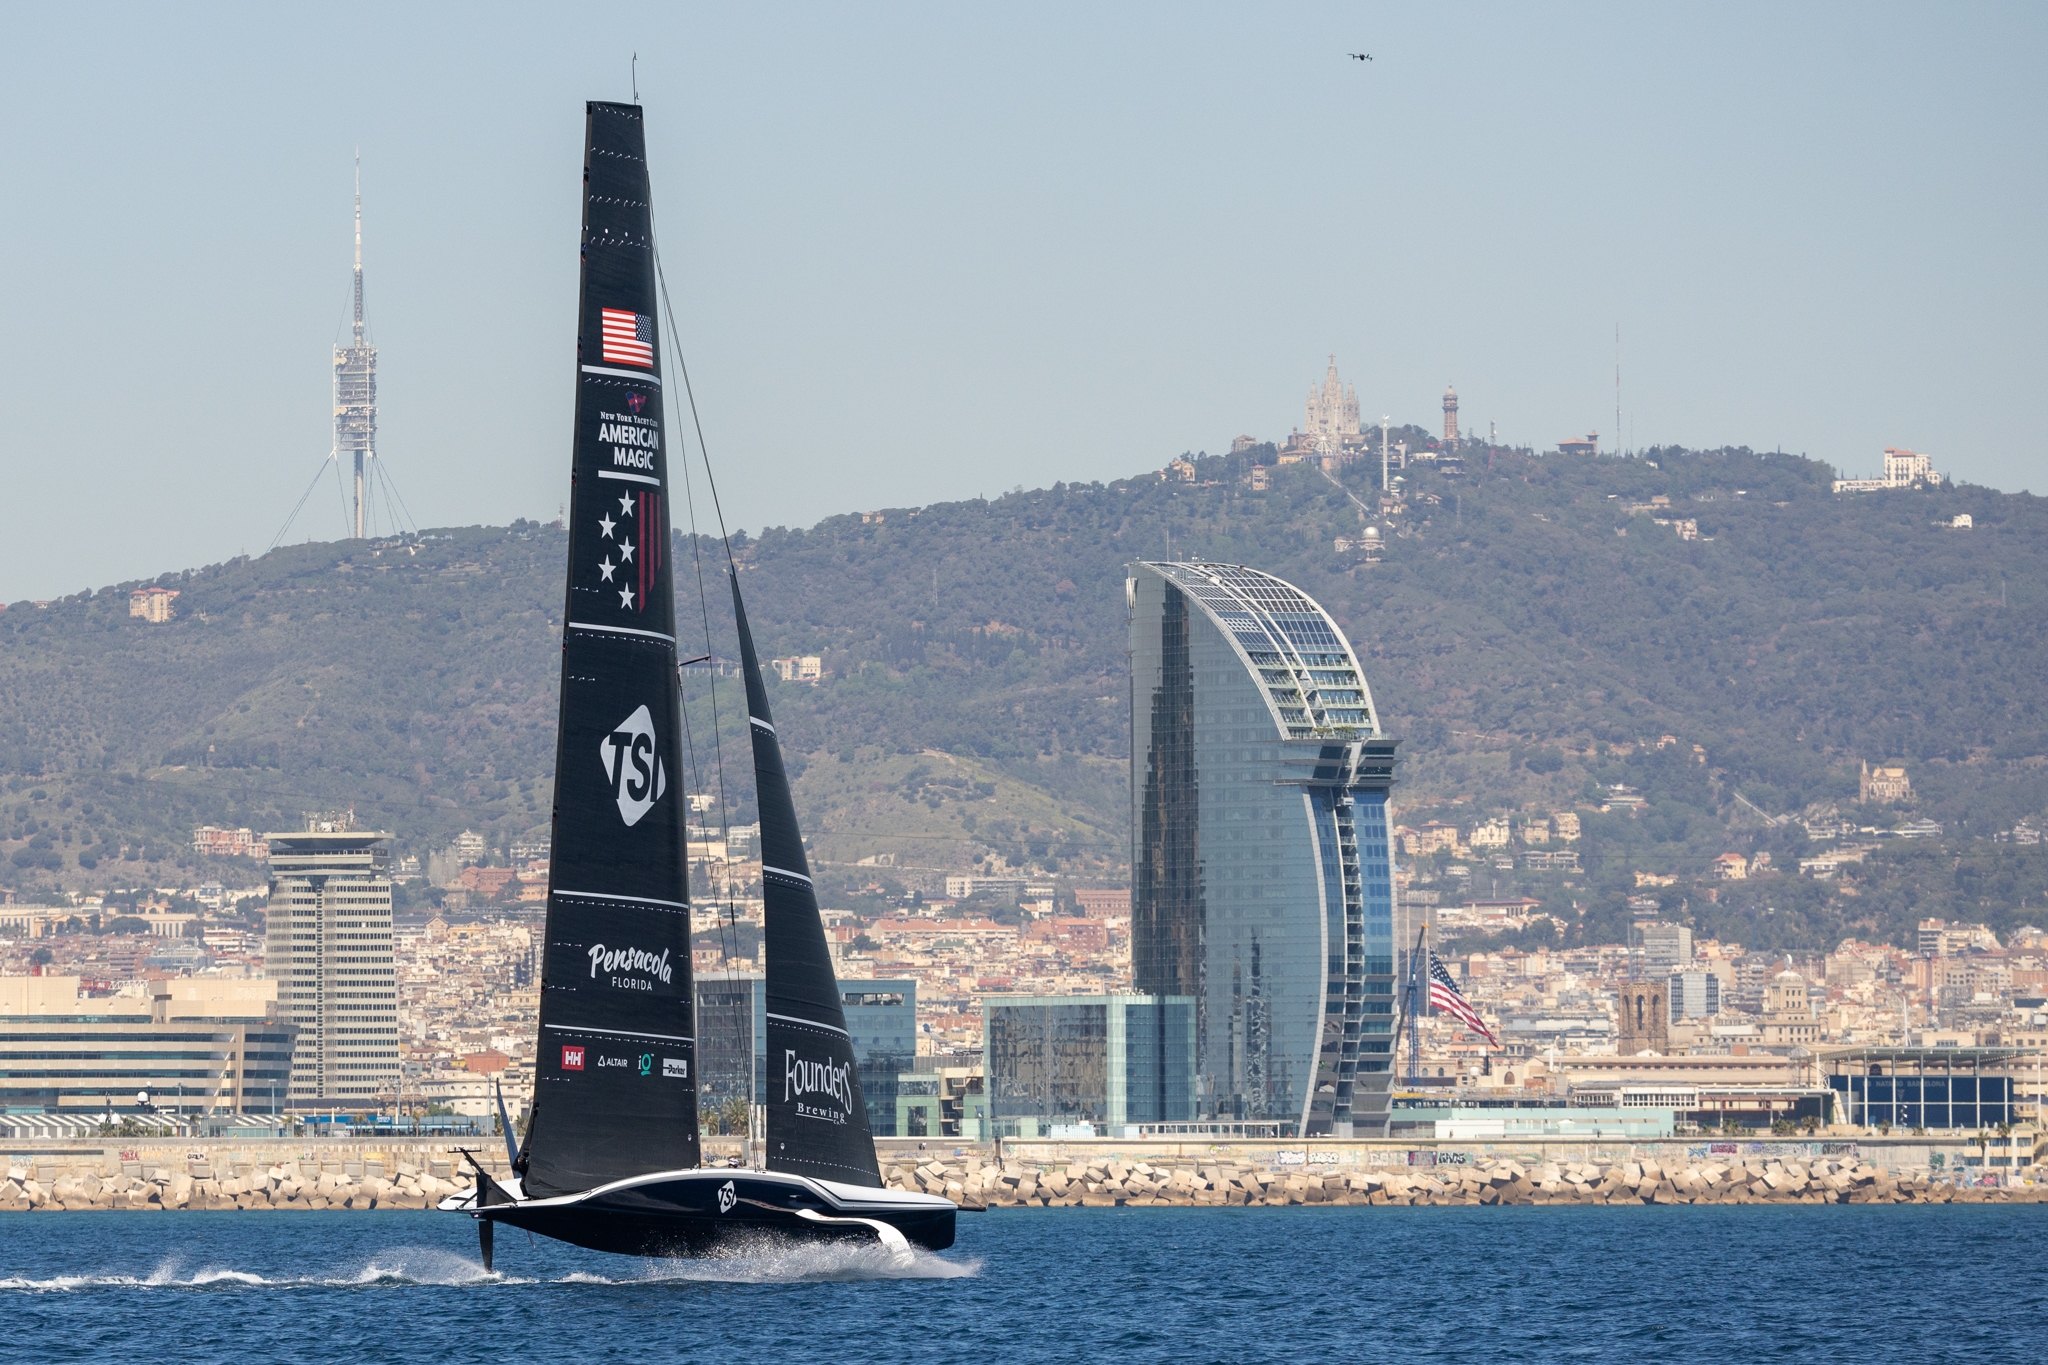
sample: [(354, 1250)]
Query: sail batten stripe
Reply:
[(622, 630), (810, 1023), (620, 1033), (756, 720), (785, 872), (630, 900), (623, 374), (630, 478)]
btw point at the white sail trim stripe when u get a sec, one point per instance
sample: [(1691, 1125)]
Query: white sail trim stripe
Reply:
[(622, 630), (756, 720), (619, 1033), (811, 1023), (623, 374), (629, 478), (631, 900), (785, 872)]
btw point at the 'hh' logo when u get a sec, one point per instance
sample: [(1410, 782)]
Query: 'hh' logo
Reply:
[(633, 767), (572, 1059)]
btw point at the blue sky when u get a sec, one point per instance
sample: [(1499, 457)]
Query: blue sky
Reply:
[(925, 253)]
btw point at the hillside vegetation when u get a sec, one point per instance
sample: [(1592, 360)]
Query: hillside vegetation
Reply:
[(1529, 637)]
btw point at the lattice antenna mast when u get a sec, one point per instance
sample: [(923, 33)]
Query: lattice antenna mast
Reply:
[(359, 251), (355, 385)]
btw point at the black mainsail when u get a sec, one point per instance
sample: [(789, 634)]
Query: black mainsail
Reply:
[(615, 1079), (817, 1121), (611, 1158)]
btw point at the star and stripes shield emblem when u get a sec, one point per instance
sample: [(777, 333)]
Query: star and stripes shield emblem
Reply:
[(628, 338), (1444, 995)]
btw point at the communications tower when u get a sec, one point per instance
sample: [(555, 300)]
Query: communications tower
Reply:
[(355, 381)]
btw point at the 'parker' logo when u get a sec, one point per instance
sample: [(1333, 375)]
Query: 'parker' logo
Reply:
[(633, 767)]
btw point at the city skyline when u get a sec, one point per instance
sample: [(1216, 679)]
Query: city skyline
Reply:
[(1023, 277)]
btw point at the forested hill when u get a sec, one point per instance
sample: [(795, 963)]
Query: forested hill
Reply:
[(1531, 630)]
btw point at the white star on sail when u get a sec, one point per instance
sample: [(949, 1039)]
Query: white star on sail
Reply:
[(605, 525), (625, 550), (625, 597), (606, 567), (625, 504)]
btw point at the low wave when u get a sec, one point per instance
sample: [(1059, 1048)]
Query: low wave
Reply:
[(767, 1261), (398, 1267)]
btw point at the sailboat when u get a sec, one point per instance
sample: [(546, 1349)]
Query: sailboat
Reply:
[(611, 1158)]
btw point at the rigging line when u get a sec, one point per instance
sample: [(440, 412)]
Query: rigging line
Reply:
[(729, 930), (342, 492), (391, 486), (683, 368), (284, 529)]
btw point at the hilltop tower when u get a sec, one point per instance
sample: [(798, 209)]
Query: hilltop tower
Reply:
[(1450, 416), (1332, 421), (355, 381)]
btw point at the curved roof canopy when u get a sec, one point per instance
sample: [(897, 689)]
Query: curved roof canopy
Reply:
[(1312, 682)]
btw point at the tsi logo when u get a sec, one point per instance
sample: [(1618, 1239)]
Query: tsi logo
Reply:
[(675, 1068), (727, 1197), (633, 767), (572, 1059)]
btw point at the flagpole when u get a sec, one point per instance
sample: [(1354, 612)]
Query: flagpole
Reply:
[(1406, 1025)]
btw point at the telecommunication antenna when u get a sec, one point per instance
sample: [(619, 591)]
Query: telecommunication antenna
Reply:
[(1385, 486), (355, 383), (1617, 385)]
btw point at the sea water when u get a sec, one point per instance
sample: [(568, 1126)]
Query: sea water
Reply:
[(1729, 1285)]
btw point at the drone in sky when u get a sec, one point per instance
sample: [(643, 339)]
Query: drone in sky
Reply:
[(1361, 56)]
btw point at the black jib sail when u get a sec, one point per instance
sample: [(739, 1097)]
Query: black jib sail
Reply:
[(615, 1080), (817, 1121)]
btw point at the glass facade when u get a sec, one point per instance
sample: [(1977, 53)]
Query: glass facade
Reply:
[(1926, 1101), (732, 1039), (882, 1018), (1261, 882), (1104, 1060)]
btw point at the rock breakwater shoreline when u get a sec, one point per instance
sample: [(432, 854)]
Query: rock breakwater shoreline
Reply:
[(1105, 1183), (201, 1187)]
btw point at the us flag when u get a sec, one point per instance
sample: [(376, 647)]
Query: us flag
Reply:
[(628, 337), (1444, 995)]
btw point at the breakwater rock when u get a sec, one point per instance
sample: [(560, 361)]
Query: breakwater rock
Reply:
[(199, 1185), (976, 1183)]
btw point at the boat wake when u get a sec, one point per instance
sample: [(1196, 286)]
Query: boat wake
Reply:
[(772, 1260), (768, 1262), (398, 1267)]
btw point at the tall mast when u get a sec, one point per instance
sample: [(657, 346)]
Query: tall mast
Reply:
[(359, 328), (359, 258), (355, 384)]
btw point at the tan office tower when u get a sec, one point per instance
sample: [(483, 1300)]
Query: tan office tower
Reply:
[(329, 950)]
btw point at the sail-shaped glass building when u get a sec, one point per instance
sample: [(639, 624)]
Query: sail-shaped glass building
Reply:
[(1261, 876)]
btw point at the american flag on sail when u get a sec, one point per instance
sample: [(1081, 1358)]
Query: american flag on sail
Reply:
[(628, 337), (1444, 995)]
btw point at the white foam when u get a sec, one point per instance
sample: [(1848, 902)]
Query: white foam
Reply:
[(768, 1260), (772, 1260)]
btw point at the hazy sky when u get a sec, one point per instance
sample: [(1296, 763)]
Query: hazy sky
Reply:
[(927, 253)]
